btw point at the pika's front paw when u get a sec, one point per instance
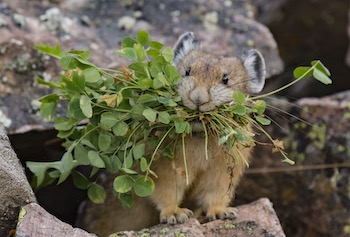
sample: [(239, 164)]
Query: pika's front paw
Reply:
[(181, 215), (221, 213)]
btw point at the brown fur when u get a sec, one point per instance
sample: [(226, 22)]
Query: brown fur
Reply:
[(206, 66), (204, 85), (211, 183), (210, 190)]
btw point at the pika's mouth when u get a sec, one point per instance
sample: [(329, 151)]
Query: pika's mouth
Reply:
[(197, 125)]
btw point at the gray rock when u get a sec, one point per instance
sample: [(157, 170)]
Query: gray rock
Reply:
[(15, 189), (299, 28), (3, 23), (263, 223), (316, 188), (126, 23), (19, 20), (225, 27), (35, 221), (52, 20)]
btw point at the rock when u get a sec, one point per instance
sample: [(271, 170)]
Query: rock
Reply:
[(35, 221), (191, 228), (52, 20), (4, 120), (347, 58), (62, 200), (223, 30), (316, 188), (126, 23), (20, 64), (15, 189), (232, 27), (296, 27), (267, 11), (19, 20), (263, 223)]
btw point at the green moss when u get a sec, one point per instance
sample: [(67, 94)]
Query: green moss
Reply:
[(144, 233), (300, 125), (229, 226), (305, 110), (340, 148), (21, 214), (348, 105), (318, 135), (179, 233), (164, 230), (250, 43), (22, 63), (346, 229), (118, 234), (291, 145), (249, 227)]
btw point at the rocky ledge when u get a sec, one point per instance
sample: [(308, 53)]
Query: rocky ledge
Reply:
[(35, 221)]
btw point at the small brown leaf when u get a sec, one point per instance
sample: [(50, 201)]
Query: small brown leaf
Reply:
[(278, 145), (181, 113), (68, 73), (126, 71), (127, 75), (110, 100)]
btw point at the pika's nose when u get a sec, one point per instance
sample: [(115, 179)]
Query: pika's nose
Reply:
[(199, 96)]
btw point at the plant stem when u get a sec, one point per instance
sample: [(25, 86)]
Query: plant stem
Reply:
[(205, 141), (286, 159), (288, 85), (241, 156), (127, 142), (76, 142), (156, 149), (184, 156)]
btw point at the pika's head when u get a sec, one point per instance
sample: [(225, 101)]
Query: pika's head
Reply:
[(209, 81)]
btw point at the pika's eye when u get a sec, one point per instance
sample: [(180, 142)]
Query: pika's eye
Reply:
[(188, 71), (225, 79)]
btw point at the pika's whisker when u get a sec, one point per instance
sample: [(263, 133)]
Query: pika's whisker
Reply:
[(289, 114)]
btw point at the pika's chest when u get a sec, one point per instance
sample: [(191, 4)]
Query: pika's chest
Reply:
[(199, 153)]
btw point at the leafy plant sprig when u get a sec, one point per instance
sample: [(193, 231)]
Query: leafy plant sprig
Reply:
[(122, 119)]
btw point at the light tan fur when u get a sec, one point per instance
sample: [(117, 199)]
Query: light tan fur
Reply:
[(211, 183), (210, 190), (204, 85)]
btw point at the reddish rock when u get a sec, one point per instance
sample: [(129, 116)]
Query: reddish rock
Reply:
[(316, 188), (224, 27), (35, 221), (15, 189), (263, 223)]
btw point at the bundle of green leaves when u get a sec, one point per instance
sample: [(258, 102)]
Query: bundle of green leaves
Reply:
[(122, 119)]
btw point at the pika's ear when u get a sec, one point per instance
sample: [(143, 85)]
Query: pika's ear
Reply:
[(254, 63), (185, 44)]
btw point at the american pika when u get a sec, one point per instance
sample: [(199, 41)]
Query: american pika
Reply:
[(208, 81)]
